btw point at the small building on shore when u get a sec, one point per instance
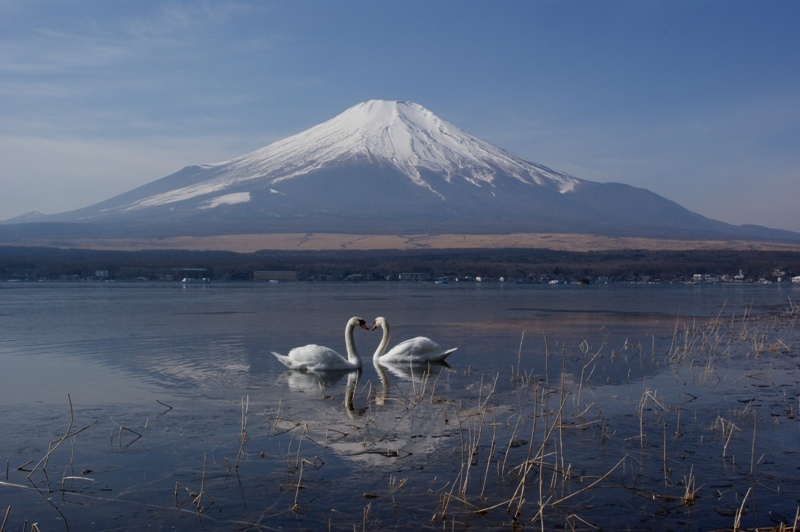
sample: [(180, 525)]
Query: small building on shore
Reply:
[(275, 275), (415, 276)]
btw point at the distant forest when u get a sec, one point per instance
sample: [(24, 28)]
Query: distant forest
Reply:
[(28, 263)]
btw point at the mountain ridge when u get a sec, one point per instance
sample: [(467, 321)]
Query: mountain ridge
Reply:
[(393, 168)]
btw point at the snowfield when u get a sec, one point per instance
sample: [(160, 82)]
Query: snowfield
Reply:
[(404, 135)]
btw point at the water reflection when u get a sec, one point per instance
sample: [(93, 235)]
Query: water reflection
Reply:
[(350, 394), (313, 381), (418, 373), (610, 355)]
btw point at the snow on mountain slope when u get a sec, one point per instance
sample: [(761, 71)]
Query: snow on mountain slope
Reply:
[(382, 167), (403, 135)]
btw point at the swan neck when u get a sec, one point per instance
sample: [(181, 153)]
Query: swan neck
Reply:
[(384, 341), (352, 354)]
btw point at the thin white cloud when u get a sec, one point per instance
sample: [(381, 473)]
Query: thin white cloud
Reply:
[(671, 114)]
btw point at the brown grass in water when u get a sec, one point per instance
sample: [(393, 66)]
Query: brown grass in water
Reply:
[(541, 488)]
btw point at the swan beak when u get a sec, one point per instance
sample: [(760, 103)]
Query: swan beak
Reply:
[(363, 325), (374, 326)]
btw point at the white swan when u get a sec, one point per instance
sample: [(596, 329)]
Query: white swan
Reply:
[(314, 357), (419, 349)]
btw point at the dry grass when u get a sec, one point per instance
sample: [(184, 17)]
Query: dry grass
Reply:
[(543, 481), (249, 243)]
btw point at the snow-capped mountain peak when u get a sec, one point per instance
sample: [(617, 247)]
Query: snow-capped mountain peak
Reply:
[(382, 167), (404, 135)]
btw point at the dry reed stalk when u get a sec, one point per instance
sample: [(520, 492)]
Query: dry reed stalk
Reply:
[(489, 457), (295, 506), (462, 447), (119, 436), (753, 447), (526, 467), (521, 485), (290, 429), (277, 414), (690, 489), (396, 485), (640, 410), (299, 445), (576, 517), (474, 433), (473, 442), (664, 466), (508, 448), (593, 484), (72, 477), (22, 467), (199, 499), (243, 433), (727, 427), (43, 461), (365, 518), (195, 497), (519, 355), (433, 386), (485, 510), (5, 519), (540, 514), (737, 521), (560, 418), (546, 356), (51, 448), (584, 346)]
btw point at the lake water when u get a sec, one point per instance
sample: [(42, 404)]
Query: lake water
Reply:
[(642, 406)]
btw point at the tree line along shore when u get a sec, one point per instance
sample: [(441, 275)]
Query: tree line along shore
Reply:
[(19, 263)]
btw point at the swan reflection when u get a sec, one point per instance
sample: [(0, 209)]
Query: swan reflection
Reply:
[(397, 421), (314, 381), (418, 373), (350, 395)]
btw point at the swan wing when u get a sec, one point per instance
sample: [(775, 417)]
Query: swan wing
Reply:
[(314, 357), (419, 349)]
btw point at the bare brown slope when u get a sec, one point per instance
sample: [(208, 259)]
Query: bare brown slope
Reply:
[(325, 241)]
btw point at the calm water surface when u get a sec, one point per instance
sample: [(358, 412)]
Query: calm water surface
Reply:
[(164, 379), (115, 343)]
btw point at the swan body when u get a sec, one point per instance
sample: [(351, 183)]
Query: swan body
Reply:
[(419, 349), (314, 357)]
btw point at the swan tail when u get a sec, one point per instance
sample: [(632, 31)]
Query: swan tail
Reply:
[(283, 359), (446, 354)]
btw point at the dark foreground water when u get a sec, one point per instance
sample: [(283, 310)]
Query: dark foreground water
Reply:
[(124, 406)]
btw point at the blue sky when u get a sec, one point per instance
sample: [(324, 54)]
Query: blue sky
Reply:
[(698, 101)]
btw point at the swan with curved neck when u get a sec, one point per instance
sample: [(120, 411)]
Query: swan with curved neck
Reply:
[(419, 349), (314, 357)]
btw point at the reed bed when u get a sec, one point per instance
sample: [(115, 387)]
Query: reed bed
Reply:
[(693, 429)]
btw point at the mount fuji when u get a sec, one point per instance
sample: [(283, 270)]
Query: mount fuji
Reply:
[(384, 167)]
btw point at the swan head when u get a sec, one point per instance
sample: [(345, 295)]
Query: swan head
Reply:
[(380, 321), (355, 320)]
